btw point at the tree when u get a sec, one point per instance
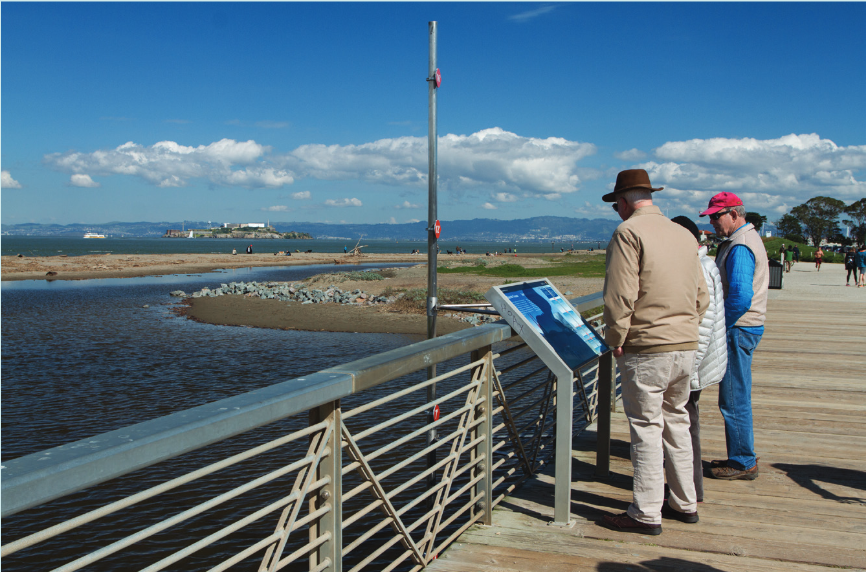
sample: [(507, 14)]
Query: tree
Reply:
[(857, 222), (789, 226), (756, 219), (818, 217)]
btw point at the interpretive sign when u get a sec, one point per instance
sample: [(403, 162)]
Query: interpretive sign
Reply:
[(548, 323)]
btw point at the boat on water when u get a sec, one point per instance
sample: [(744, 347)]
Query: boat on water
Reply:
[(93, 235)]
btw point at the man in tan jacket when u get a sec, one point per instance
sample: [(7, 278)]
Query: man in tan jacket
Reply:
[(654, 297)]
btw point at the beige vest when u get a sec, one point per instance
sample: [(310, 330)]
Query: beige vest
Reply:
[(748, 237)]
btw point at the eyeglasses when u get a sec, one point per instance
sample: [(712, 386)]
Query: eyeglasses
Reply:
[(718, 215), (615, 207)]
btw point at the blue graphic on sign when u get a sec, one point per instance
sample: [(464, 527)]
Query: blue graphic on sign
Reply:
[(556, 321)]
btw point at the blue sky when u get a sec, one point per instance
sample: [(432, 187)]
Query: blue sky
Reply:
[(242, 112)]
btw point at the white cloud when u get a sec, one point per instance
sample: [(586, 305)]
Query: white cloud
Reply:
[(526, 16), (504, 197), (489, 206), (407, 205), (770, 175), (590, 210), (169, 164), (82, 180), (344, 203), (7, 182), (277, 208), (489, 158), (630, 155), (392, 220), (552, 196), (300, 196), (413, 220)]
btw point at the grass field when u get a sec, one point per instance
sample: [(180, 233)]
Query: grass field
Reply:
[(591, 267)]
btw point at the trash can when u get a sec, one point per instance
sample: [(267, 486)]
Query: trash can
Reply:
[(776, 271)]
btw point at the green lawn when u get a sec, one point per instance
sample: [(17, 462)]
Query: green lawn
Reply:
[(593, 268)]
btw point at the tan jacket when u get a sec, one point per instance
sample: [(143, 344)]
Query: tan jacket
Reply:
[(654, 289)]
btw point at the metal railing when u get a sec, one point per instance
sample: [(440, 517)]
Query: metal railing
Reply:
[(347, 487)]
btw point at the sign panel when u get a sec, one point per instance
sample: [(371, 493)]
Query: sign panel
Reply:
[(438, 77), (548, 323), (437, 229)]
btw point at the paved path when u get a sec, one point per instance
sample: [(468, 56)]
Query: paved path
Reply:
[(807, 510)]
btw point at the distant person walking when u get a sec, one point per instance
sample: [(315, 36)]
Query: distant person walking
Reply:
[(796, 253), (744, 269), (861, 265), (850, 265), (789, 259), (250, 249), (819, 258)]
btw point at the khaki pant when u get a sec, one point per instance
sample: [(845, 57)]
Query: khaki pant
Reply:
[(655, 389)]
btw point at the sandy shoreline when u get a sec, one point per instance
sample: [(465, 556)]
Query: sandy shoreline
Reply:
[(135, 265), (255, 312)]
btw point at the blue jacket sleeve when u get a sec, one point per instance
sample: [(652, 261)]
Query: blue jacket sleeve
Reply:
[(740, 269)]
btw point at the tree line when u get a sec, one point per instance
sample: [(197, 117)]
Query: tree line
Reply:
[(818, 219)]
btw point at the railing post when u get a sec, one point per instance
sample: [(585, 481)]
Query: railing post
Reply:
[(332, 493), (485, 428), (606, 387)]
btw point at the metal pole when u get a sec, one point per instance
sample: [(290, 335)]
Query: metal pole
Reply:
[(432, 246), (606, 380)]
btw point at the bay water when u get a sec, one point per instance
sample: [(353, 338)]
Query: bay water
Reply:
[(84, 357)]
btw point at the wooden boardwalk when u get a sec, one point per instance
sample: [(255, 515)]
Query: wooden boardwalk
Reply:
[(806, 511)]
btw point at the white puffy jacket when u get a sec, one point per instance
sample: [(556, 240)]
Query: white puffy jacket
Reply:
[(711, 359)]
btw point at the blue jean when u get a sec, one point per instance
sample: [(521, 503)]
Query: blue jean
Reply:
[(735, 399)]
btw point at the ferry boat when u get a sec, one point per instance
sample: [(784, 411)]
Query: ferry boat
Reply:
[(93, 235)]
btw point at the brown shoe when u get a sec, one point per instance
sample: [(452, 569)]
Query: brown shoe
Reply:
[(624, 523), (732, 474), (719, 463)]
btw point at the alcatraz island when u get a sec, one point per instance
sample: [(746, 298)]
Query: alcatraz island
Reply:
[(249, 230)]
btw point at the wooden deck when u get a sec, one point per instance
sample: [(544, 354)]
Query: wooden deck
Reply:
[(806, 511)]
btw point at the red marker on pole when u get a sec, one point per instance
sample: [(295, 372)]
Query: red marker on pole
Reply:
[(437, 229), (436, 413)]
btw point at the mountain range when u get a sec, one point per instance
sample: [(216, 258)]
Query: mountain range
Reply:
[(538, 229)]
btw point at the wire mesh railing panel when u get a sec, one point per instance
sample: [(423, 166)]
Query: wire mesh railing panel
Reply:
[(205, 517)]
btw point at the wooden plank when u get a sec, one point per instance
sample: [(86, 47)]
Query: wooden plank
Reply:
[(584, 554), (520, 530)]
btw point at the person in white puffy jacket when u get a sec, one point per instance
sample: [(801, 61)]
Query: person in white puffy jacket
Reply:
[(711, 359)]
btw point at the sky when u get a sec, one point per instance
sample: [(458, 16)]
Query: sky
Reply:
[(313, 111)]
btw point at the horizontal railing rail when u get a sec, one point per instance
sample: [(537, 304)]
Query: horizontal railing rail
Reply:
[(498, 425)]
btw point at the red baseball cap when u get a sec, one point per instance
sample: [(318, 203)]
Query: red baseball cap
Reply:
[(722, 201)]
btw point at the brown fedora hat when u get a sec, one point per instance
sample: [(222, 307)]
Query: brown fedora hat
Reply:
[(630, 179)]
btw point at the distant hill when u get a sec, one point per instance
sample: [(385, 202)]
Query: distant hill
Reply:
[(539, 229), (536, 228)]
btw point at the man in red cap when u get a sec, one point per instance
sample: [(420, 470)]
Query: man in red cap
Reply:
[(742, 263), (654, 297)]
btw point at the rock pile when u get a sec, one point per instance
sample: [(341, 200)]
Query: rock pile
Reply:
[(286, 292)]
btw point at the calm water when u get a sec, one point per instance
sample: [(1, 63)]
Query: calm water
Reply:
[(84, 357), (52, 246)]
